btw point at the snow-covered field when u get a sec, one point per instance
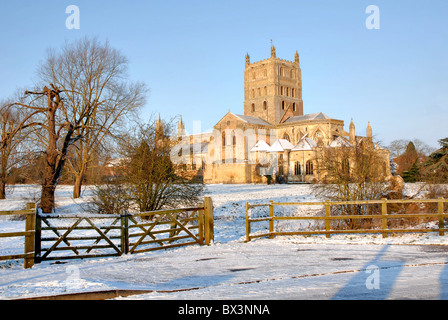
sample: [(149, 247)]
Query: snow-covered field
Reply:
[(294, 267)]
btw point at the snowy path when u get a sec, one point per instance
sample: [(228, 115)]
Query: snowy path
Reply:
[(263, 269), (343, 267)]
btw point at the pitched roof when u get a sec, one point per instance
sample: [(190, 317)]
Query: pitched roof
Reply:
[(280, 145), (253, 120), (260, 146), (305, 144), (340, 142), (307, 117)]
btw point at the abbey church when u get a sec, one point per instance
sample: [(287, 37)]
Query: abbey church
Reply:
[(273, 139)]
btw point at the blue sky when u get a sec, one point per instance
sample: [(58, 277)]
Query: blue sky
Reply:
[(191, 55)]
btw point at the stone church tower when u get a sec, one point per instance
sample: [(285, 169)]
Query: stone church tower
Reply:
[(273, 138), (271, 87)]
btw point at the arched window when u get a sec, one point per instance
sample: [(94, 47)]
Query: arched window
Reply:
[(297, 168), (265, 105), (223, 139), (253, 107), (294, 106), (265, 91), (286, 137), (287, 92), (283, 105), (309, 167)]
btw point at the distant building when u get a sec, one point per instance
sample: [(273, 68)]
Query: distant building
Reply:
[(273, 137)]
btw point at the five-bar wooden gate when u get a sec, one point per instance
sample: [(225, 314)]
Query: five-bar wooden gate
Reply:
[(59, 237)]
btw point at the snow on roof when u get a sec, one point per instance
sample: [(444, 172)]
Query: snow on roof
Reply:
[(253, 120), (305, 144), (307, 117), (260, 146), (340, 142), (281, 145)]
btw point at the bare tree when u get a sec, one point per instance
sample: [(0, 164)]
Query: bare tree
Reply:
[(92, 75), (398, 147), (352, 173), (145, 178), (13, 123), (57, 134), (151, 174)]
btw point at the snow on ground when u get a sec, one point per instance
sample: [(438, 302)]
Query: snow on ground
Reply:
[(289, 267)]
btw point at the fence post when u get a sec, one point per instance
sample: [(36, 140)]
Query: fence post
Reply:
[(201, 223), (38, 236), (271, 220), (125, 232), (384, 218), (441, 218), (327, 219), (208, 221), (29, 240), (247, 222)]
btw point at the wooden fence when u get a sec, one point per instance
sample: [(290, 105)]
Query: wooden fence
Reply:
[(385, 218), (28, 254), (81, 236)]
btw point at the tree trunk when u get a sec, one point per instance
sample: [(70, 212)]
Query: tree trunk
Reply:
[(79, 180), (4, 172), (3, 188), (49, 180), (55, 159), (47, 198)]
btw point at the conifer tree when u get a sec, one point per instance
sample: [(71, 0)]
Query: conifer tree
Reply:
[(436, 166)]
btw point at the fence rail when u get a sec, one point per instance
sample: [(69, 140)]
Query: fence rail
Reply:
[(29, 232), (385, 217)]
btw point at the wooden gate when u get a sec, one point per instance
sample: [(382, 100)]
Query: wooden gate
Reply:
[(77, 236), (64, 236)]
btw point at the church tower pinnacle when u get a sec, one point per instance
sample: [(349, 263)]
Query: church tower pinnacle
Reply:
[(273, 52), (352, 133), (369, 133), (180, 128)]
